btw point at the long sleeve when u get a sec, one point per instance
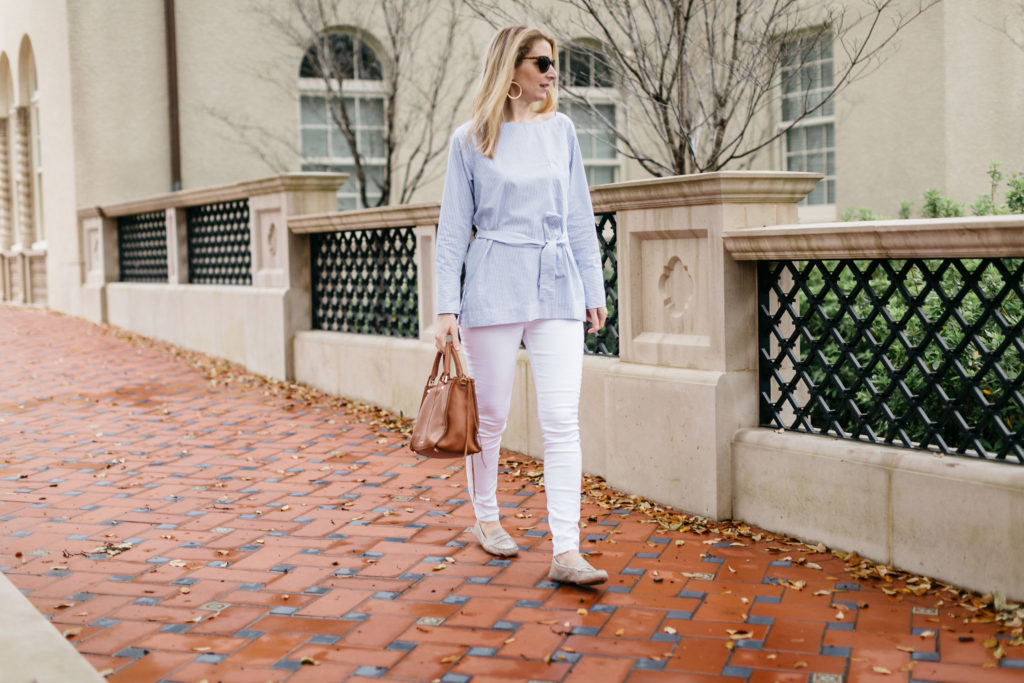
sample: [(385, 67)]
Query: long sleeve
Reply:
[(581, 228), (454, 227)]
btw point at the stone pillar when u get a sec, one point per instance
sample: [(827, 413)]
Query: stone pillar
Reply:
[(6, 231), (23, 177), (688, 330), (425, 238), (99, 253), (280, 258)]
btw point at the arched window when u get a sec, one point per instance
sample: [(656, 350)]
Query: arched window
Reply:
[(342, 69), (586, 78)]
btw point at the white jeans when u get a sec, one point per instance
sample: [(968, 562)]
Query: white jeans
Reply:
[(556, 358)]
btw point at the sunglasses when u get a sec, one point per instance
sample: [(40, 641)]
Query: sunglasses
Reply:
[(543, 63)]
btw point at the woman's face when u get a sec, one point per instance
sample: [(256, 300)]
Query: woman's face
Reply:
[(534, 83)]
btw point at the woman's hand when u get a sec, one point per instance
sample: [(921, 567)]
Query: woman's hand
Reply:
[(447, 325), (596, 318)]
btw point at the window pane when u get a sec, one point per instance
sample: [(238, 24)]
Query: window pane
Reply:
[(795, 163), (371, 143), (826, 74), (816, 162), (314, 110), (342, 54), (830, 166), (369, 65), (580, 64), (371, 111), (602, 72), (607, 111), (604, 144), (815, 137), (600, 175), (829, 134), (790, 105), (795, 140), (825, 43), (339, 145), (586, 143), (314, 142), (828, 109)]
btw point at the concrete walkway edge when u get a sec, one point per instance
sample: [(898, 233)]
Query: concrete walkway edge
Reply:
[(31, 649)]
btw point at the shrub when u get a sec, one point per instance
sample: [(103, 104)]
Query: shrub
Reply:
[(881, 390)]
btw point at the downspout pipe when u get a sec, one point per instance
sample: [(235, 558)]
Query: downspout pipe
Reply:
[(172, 94)]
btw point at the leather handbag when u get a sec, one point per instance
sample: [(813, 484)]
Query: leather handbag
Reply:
[(446, 424)]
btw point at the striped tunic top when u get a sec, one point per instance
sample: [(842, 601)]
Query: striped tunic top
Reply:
[(535, 254)]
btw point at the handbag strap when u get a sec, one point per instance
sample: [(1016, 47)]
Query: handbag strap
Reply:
[(451, 352), (432, 378)]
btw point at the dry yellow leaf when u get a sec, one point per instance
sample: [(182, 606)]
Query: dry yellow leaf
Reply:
[(581, 611), (880, 670), (800, 665), (905, 648), (620, 632)]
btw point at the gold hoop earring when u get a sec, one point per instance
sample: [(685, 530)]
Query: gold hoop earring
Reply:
[(520, 91)]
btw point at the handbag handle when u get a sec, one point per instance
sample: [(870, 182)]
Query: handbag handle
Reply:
[(448, 353)]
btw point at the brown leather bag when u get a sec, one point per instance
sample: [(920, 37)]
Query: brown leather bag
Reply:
[(446, 424)]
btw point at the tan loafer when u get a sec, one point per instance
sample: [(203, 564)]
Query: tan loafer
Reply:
[(581, 573), (498, 543)]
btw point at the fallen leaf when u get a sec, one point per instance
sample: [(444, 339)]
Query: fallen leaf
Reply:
[(669, 630), (308, 661), (880, 670), (72, 632), (621, 632)]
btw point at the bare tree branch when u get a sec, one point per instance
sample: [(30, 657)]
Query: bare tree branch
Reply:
[(703, 76)]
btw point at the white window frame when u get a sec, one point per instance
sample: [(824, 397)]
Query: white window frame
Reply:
[(358, 89), (596, 96), (824, 118)]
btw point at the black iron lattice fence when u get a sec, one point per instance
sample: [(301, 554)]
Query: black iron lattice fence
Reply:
[(219, 252), (364, 281), (142, 247), (606, 342), (924, 354)]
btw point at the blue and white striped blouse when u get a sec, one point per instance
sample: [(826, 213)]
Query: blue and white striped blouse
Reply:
[(535, 254)]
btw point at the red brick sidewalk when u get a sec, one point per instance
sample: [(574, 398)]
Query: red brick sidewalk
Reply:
[(183, 529)]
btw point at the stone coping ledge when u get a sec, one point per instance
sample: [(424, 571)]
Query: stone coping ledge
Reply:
[(288, 182), (962, 237), (400, 216), (719, 187)]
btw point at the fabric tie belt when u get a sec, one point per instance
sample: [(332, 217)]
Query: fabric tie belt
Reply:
[(554, 254)]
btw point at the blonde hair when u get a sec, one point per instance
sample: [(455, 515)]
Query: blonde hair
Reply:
[(508, 49)]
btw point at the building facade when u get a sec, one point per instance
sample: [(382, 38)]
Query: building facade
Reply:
[(98, 105)]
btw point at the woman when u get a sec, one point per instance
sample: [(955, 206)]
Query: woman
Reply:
[(533, 274)]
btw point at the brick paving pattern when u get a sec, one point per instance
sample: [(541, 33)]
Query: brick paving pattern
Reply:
[(182, 529)]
